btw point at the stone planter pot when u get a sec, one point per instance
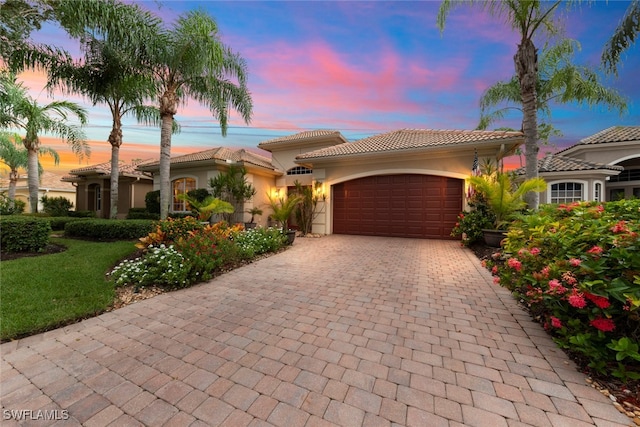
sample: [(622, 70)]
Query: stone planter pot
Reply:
[(291, 236), (493, 238)]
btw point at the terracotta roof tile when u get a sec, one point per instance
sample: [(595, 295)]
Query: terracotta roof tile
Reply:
[(126, 169), (47, 180), (559, 163), (613, 134), (407, 139), (310, 134), (218, 153)]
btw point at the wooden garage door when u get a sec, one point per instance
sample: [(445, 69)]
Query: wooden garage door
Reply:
[(421, 206)]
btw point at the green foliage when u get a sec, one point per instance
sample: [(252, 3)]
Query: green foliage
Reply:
[(232, 187), (206, 251), (283, 208), (503, 197), (577, 268), (198, 194), (208, 206), (10, 206), (152, 201), (160, 265), (56, 206), (253, 212), (82, 214), (59, 222), (142, 213), (470, 224), (108, 229), (23, 234)]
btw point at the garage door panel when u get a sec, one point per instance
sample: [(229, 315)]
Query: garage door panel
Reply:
[(404, 205)]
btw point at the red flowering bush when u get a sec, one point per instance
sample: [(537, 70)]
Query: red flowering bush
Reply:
[(577, 269)]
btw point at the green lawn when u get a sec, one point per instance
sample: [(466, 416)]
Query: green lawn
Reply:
[(44, 292)]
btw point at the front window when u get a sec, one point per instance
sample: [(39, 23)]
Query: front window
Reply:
[(597, 196), (180, 186), (566, 192), (299, 170)]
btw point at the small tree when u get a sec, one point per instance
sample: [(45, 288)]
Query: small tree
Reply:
[(56, 206), (306, 210), (283, 208), (232, 187)]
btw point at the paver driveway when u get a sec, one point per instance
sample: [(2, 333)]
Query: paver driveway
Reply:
[(341, 330)]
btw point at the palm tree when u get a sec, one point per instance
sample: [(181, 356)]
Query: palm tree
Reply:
[(190, 61), (623, 38), (529, 18), (559, 80), (51, 118)]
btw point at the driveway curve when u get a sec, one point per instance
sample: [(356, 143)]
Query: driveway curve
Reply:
[(338, 330)]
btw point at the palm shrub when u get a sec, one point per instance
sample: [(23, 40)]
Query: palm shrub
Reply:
[(208, 206), (503, 197), (577, 268), (283, 208)]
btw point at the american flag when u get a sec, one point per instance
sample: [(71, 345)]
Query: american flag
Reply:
[(475, 171)]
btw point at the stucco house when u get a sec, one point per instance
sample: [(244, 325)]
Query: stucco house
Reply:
[(602, 167), (93, 188), (50, 186), (405, 183), (192, 171)]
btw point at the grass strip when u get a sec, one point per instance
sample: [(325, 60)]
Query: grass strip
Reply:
[(44, 292)]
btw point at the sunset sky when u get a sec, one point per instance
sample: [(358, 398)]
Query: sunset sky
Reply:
[(361, 68)]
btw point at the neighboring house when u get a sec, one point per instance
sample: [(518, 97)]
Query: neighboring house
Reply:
[(601, 167), (192, 171), (93, 188), (50, 186), (405, 183)]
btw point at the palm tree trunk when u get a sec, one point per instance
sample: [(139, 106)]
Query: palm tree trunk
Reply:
[(526, 63), (13, 183), (33, 178), (115, 139), (168, 109)]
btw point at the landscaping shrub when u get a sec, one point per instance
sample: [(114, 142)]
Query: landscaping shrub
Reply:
[(471, 223), (577, 268), (170, 230), (259, 240), (56, 206), (152, 201), (206, 251), (199, 194), (82, 214), (10, 206), (108, 229), (59, 222), (160, 265), (23, 234), (142, 213)]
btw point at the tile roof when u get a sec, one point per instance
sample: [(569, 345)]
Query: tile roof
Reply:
[(47, 180), (126, 169), (407, 139), (218, 153), (559, 163), (613, 134), (310, 134)]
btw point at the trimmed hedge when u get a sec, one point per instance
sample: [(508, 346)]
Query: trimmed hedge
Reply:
[(142, 213), (59, 222), (109, 229), (23, 233)]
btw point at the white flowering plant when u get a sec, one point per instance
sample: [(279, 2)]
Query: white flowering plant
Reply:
[(160, 265), (256, 241)]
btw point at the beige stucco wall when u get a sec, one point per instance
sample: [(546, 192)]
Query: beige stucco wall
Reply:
[(22, 193), (610, 154)]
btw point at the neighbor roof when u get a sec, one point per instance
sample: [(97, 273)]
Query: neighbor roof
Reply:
[(407, 139), (559, 163), (104, 169), (300, 137), (610, 135), (48, 180), (219, 153)]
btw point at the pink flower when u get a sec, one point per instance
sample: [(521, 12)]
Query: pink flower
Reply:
[(575, 262), (523, 252), (555, 322), (596, 250), (556, 287), (535, 251), (601, 302), (604, 325), (494, 269), (620, 227), (568, 277), (515, 264), (576, 299), (496, 280), (545, 271)]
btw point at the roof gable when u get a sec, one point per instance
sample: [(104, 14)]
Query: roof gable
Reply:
[(612, 135), (302, 137), (104, 169), (219, 153), (560, 163), (408, 139)]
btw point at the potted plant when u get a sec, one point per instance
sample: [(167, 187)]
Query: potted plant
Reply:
[(207, 207), (253, 211), (282, 209), (504, 199)]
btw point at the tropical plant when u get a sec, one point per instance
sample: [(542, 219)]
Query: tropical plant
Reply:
[(503, 197), (51, 118), (623, 38), (190, 60), (305, 212), (56, 206), (559, 80), (283, 208), (9, 206), (209, 206), (232, 186), (16, 158), (253, 212), (529, 19)]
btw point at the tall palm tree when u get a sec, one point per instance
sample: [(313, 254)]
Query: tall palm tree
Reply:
[(15, 157), (190, 61), (51, 118), (529, 18), (623, 38), (559, 81)]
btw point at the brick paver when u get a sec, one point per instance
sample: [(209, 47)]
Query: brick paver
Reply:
[(341, 330)]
